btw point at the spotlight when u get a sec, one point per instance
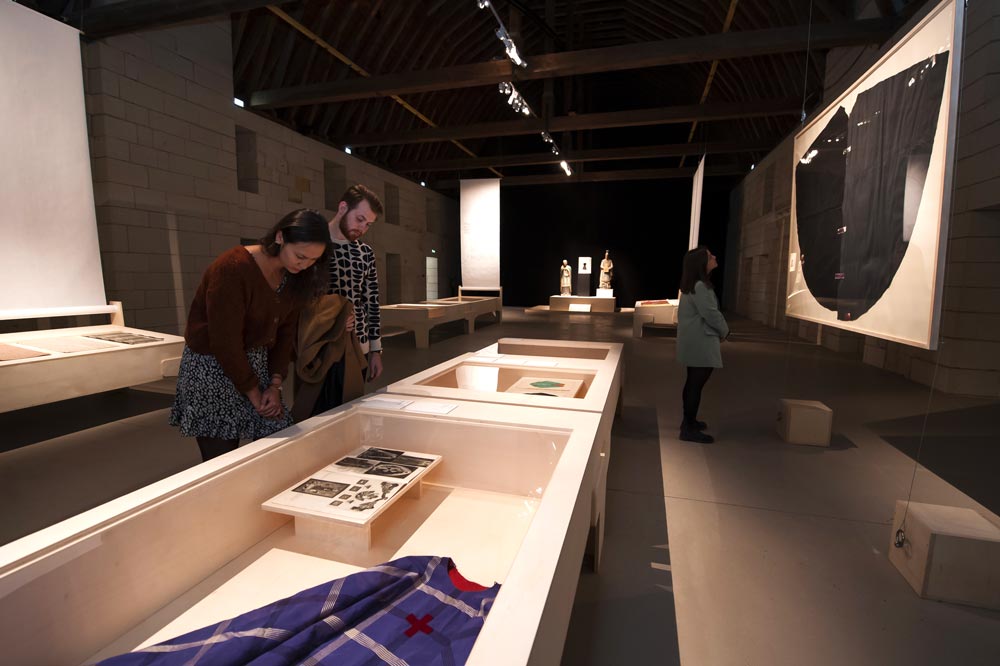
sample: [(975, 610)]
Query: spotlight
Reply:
[(347, 149), (238, 102)]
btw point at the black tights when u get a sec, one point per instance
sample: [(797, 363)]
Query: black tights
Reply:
[(696, 379), (213, 447)]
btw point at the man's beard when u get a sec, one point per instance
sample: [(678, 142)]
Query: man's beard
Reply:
[(349, 234)]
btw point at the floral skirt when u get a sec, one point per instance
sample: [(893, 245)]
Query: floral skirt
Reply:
[(208, 405)]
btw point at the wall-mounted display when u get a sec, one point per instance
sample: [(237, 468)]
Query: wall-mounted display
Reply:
[(871, 192)]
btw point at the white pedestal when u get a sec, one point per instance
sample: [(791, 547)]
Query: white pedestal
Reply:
[(804, 422), (596, 303), (950, 554), (605, 293)]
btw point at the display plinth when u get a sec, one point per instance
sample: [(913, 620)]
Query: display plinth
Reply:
[(422, 317), (949, 554), (658, 313), (605, 293), (196, 547), (341, 501), (596, 303), (71, 362)]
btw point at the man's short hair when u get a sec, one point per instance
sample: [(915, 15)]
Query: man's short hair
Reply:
[(355, 194)]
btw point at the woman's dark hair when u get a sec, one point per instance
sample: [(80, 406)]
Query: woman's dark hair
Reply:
[(302, 226), (695, 269)]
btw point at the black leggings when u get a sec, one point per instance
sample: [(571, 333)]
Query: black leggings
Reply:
[(696, 379), (213, 447)]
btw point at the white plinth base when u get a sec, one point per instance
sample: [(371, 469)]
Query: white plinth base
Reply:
[(605, 293), (950, 554), (804, 422), (596, 303)]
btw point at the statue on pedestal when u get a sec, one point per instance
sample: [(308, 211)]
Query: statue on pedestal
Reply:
[(606, 267), (565, 278)]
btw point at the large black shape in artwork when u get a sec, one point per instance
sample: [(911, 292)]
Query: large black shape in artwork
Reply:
[(858, 185)]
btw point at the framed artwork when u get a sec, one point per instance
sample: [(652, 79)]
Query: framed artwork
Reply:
[(871, 192)]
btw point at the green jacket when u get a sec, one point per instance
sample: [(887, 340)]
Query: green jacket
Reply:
[(700, 327)]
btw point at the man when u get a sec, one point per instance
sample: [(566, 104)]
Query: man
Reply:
[(354, 276)]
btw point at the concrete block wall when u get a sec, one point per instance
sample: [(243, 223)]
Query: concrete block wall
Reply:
[(762, 251), (163, 143), (968, 359)]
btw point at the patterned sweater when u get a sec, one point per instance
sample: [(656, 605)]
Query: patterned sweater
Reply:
[(354, 276)]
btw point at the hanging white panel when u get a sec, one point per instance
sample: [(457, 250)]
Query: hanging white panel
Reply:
[(480, 209), (52, 260), (699, 179)]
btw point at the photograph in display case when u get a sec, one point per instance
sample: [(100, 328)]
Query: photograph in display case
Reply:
[(355, 487), (871, 193)]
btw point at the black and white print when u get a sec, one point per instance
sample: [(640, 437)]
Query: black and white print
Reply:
[(393, 470), (384, 455), (354, 463), (415, 461), (321, 488)]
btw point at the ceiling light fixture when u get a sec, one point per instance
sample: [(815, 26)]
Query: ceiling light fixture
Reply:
[(509, 47)]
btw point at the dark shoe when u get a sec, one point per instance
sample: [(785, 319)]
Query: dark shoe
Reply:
[(695, 436), (697, 425)]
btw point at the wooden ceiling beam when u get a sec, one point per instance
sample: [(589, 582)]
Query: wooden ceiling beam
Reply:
[(592, 155), (589, 61), (136, 15), (585, 121), (601, 176)]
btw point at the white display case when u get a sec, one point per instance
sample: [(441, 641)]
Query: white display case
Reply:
[(659, 313), (493, 373), (422, 317), (509, 501), (71, 363)]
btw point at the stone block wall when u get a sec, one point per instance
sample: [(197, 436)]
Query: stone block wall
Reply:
[(173, 188), (968, 358)]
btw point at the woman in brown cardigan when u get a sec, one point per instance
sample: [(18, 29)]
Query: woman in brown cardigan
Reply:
[(240, 333)]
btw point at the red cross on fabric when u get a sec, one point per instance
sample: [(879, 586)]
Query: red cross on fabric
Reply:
[(418, 625)]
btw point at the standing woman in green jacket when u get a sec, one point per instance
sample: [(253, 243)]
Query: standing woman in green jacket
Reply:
[(240, 331), (700, 329)]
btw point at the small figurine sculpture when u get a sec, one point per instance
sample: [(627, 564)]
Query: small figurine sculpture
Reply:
[(565, 278), (606, 267)]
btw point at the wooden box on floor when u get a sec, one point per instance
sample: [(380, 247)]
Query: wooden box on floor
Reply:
[(510, 501), (806, 422), (949, 554)]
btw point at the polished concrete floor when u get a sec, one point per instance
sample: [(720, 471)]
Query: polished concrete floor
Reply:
[(745, 551)]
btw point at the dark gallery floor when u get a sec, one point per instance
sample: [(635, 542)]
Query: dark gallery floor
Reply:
[(746, 551)]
